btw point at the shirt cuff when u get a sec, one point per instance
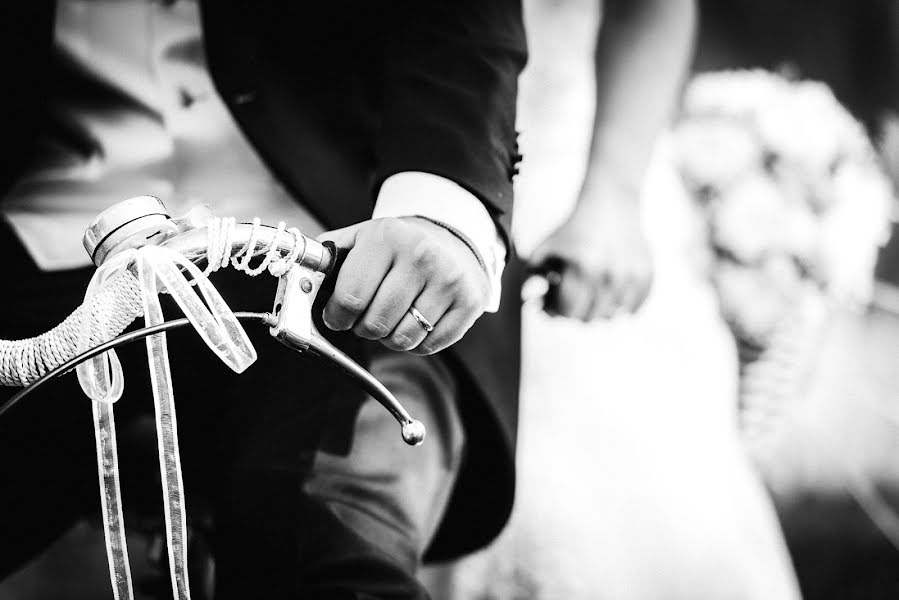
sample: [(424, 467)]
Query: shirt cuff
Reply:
[(451, 206)]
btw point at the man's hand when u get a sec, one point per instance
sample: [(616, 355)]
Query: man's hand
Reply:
[(394, 264), (606, 264)]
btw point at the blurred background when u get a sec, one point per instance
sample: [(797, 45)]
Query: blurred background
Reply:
[(669, 454)]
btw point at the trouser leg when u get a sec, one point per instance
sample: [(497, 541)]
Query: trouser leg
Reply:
[(357, 526), (392, 494)]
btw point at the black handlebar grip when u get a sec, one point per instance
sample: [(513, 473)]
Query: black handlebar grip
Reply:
[(552, 268), (338, 256)]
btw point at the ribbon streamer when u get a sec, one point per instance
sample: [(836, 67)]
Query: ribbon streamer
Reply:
[(101, 379)]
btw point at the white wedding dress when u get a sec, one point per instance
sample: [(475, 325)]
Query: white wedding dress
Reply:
[(632, 483)]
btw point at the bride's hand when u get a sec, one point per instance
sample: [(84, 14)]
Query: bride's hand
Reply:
[(603, 261)]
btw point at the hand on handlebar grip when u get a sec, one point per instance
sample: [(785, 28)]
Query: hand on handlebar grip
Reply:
[(293, 326), (543, 285), (199, 234)]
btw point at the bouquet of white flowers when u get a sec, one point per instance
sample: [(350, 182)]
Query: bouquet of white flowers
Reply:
[(796, 201), (797, 207)]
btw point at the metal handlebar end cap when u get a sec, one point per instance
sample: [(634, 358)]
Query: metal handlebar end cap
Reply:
[(119, 222), (414, 432)]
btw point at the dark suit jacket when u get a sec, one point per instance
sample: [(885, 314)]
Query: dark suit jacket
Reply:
[(336, 97)]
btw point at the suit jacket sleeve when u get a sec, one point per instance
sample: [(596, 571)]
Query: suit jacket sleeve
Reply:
[(448, 90)]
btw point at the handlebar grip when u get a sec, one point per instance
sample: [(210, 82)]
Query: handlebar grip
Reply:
[(338, 256), (551, 269)]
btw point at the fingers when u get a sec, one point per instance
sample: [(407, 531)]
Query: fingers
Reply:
[(357, 283), (394, 264), (633, 294), (409, 333), (575, 296), (448, 330), (399, 330), (390, 306), (607, 299), (606, 296)]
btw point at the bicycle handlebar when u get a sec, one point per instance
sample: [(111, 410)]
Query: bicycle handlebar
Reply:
[(144, 221)]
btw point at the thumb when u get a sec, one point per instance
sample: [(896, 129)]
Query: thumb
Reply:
[(344, 238), (549, 256), (543, 252)]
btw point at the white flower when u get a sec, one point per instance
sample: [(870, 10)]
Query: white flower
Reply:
[(746, 220), (808, 128), (800, 231), (756, 300), (798, 197), (715, 151), (853, 229), (733, 93)]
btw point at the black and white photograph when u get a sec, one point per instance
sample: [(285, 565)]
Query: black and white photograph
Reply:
[(449, 300)]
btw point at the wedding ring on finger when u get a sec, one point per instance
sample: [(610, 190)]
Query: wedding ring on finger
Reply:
[(426, 325)]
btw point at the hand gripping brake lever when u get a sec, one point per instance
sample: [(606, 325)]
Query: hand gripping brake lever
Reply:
[(291, 320), (292, 325)]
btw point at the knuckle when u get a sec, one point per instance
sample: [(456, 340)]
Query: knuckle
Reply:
[(349, 303), (390, 229), (401, 341), (469, 299), (372, 329), (452, 278), (466, 304), (426, 349), (425, 255)]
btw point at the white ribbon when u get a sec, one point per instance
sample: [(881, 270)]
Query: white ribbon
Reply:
[(102, 380)]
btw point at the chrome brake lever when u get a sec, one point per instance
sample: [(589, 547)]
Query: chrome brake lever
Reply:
[(291, 324)]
